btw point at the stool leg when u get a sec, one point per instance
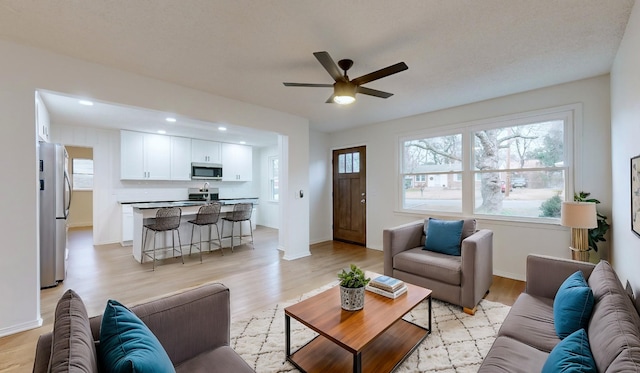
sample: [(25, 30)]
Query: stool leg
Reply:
[(251, 230), (191, 242), (233, 224), (154, 249), (142, 252), (219, 239), (180, 246)]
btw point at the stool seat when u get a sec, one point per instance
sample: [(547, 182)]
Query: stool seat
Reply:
[(241, 212), (208, 215), (167, 219)]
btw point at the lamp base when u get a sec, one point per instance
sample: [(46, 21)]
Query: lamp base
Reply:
[(581, 255)]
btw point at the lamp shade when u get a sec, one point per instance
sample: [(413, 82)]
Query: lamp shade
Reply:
[(578, 215)]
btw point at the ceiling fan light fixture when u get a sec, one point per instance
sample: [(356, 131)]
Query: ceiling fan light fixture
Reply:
[(344, 93)]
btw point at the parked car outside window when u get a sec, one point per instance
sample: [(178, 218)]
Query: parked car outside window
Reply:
[(518, 182)]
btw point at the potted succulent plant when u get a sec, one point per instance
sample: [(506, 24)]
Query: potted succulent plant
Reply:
[(352, 285)]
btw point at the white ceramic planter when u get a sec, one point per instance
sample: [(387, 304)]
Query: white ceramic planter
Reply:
[(352, 299)]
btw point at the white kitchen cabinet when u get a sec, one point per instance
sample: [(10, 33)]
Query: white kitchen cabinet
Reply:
[(180, 158), (237, 162), (205, 151), (144, 156), (127, 225)]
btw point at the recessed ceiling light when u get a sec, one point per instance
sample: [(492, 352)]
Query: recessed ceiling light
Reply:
[(221, 128), (243, 142), (85, 102), (162, 132), (172, 120)]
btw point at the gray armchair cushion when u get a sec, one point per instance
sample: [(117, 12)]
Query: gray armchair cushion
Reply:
[(429, 264)]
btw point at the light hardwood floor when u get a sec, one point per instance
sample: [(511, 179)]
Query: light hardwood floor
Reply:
[(256, 279)]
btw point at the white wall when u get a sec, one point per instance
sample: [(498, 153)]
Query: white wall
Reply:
[(625, 140), (320, 188), (512, 241), (23, 70), (269, 211)]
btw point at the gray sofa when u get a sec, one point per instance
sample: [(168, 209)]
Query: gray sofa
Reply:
[(193, 327), (527, 335), (463, 280)]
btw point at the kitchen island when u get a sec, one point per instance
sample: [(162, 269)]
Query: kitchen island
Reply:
[(145, 212)]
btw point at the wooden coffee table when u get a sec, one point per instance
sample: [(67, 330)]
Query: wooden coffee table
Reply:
[(374, 339)]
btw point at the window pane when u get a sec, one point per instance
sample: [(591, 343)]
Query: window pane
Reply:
[(531, 193), (435, 154), (534, 145), (341, 163), (349, 163), (356, 162), (433, 192), (82, 176)]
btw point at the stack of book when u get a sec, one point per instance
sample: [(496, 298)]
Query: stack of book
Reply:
[(387, 286)]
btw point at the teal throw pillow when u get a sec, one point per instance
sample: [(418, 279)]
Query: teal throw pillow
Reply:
[(572, 305), (127, 344), (443, 236), (572, 354)]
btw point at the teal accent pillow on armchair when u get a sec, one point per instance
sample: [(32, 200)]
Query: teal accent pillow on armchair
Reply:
[(127, 344), (572, 305), (443, 236)]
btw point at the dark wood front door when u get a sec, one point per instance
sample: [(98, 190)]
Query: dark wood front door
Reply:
[(349, 195)]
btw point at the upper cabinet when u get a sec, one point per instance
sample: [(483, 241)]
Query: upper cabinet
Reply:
[(205, 151), (180, 158), (144, 156), (237, 162)]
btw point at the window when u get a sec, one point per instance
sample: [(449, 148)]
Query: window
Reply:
[(433, 163), (349, 163), (274, 190), (82, 174), (503, 167)]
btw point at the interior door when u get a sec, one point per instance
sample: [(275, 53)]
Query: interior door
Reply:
[(349, 195)]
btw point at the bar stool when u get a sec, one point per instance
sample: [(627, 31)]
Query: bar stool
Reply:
[(167, 219), (207, 215), (241, 212)]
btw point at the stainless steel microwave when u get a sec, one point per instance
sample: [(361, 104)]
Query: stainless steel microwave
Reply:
[(206, 171)]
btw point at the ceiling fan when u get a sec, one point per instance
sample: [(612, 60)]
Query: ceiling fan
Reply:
[(344, 90)]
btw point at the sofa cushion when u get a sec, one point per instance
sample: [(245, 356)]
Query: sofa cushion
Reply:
[(509, 355), (530, 321), (72, 346), (572, 305), (444, 236), (429, 264), (614, 329), (127, 344), (571, 355), (220, 360)]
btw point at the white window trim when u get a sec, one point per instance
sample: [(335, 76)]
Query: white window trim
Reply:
[(572, 113)]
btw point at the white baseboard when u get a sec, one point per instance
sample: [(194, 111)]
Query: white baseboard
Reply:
[(21, 327), (513, 276)]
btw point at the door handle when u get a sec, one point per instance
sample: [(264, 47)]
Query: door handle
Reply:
[(362, 200)]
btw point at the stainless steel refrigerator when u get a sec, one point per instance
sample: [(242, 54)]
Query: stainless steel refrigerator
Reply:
[(55, 199)]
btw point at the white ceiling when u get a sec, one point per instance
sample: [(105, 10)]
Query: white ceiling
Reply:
[(458, 51)]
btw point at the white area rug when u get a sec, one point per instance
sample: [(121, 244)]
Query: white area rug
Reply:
[(458, 342)]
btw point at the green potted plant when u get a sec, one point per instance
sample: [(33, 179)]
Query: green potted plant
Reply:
[(595, 234), (352, 283)]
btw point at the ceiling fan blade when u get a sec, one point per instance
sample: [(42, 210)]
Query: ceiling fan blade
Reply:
[(374, 92), (390, 70), (327, 62), (330, 100), (306, 85)]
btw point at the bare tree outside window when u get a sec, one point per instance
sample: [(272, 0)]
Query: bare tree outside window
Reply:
[(513, 168)]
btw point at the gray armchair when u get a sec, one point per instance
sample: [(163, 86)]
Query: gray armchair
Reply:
[(462, 280)]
